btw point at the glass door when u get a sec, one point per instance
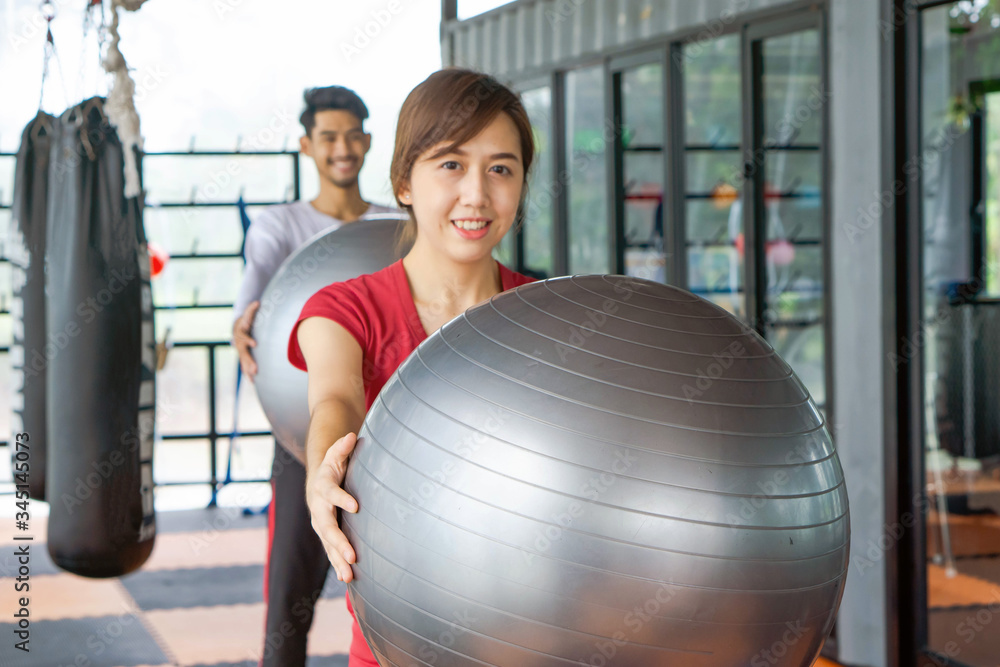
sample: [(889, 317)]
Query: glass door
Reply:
[(784, 194), (712, 146), (958, 349), (588, 134), (638, 106), (535, 239), (751, 108)]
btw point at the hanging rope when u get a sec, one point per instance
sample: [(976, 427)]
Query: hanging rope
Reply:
[(120, 105), (93, 22), (48, 11)]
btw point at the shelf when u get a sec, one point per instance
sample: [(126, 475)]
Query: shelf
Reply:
[(202, 436), (786, 195), (209, 255), (731, 244), (765, 148), (791, 147), (715, 290), (213, 204), (795, 324), (194, 306), (215, 153), (722, 290), (711, 147)]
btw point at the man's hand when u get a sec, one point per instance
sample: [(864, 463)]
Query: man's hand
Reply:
[(242, 340), (324, 495)]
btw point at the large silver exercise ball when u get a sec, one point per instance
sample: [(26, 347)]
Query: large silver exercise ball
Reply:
[(357, 248), (596, 471)]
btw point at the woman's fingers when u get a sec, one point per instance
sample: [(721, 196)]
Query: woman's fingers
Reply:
[(336, 495), (338, 549), (328, 481), (337, 456), (325, 495)]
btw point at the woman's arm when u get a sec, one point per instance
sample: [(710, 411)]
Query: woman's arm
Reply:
[(336, 410)]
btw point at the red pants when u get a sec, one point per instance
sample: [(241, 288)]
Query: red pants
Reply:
[(361, 655)]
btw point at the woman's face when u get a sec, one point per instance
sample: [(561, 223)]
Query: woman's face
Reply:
[(466, 200)]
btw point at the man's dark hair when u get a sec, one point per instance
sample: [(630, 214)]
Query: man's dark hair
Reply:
[(331, 97)]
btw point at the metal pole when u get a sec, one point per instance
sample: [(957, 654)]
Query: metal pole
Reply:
[(212, 434), (969, 388)]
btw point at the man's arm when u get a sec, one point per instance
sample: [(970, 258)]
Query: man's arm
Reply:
[(265, 250), (243, 340), (337, 410)]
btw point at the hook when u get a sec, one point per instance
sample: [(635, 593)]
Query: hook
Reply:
[(47, 8)]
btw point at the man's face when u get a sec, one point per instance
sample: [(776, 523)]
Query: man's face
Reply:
[(338, 145)]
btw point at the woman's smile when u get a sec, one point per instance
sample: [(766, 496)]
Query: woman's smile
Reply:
[(471, 228)]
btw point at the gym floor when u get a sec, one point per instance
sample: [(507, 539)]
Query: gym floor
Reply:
[(959, 605), (198, 601)]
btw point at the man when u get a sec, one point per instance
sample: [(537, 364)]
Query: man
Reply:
[(297, 564)]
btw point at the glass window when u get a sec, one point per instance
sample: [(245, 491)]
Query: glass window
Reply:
[(182, 394), (182, 460), (641, 141), (789, 178), (190, 230), (587, 136), (538, 218), (249, 415), (6, 181), (991, 166), (194, 324), (197, 281), (713, 171), (959, 167), (792, 100), (6, 377), (216, 178), (252, 457), (6, 293)]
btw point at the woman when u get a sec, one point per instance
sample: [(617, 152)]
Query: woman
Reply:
[(460, 168)]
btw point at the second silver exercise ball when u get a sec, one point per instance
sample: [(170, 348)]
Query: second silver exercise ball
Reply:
[(357, 248)]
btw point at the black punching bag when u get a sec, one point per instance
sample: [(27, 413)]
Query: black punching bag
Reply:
[(26, 253), (100, 381)]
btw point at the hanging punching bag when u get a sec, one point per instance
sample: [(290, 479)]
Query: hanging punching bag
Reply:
[(100, 379), (26, 253)]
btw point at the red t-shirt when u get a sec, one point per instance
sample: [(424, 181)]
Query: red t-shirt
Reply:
[(378, 310)]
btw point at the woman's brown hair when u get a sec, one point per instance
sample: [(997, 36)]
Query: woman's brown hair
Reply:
[(452, 104)]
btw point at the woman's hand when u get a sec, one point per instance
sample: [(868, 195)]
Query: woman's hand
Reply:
[(324, 495)]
